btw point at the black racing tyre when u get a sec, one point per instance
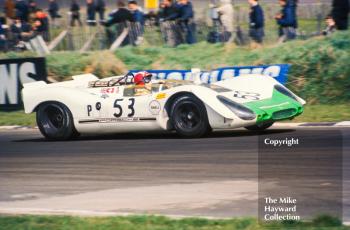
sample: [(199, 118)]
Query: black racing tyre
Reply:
[(55, 121), (260, 127), (189, 117)]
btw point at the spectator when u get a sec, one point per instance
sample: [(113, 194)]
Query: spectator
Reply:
[(331, 26), (170, 30), (21, 10), (137, 13), (21, 32), (120, 15), (91, 12), (256, 23), (54, 11), (75, 13), (9, 9), (41, 25), (3, 38), (168, 11), (185, 17), (137, 29), (100, 9), (225, 11), (340, 13), (287, 20), (32, 6)]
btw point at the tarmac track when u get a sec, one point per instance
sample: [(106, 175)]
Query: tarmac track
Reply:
[(33, 170)]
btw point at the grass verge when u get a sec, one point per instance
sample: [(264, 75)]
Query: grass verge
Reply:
[(324, 113), (156, 222), (17, 118), (313, 113)]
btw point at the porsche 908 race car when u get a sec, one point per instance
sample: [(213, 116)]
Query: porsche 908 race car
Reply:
[(88, 105)]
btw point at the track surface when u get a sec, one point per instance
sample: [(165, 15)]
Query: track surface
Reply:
[(32, 168)]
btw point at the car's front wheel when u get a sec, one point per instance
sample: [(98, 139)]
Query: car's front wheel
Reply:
[(55, 121), (189, 117), (260, 127)]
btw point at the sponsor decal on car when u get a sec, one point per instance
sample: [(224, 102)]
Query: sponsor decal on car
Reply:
[(116, 120), (110, 90), (154, 107), (161, 96)]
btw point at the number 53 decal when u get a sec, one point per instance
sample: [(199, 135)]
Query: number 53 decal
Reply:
[(246, 95), (119, 108)]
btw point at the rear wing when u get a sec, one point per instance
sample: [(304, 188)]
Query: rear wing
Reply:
[(33, 85)]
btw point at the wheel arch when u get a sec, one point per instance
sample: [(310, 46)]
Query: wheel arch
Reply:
[(35, 109)]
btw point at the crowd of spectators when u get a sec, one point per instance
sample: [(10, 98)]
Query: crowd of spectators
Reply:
[(24, 20), (175, 18)]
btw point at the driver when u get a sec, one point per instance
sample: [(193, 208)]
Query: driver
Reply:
[(142, 78), (141, 81)]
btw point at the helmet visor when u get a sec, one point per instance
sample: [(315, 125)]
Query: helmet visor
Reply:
[(148, 78)]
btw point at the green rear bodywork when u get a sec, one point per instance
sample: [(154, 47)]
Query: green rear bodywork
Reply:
[(278, 107)]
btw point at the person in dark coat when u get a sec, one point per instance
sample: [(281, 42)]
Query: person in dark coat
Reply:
[(21, 32), (185, 18), (117, 20), (168, 11), (122, 14), (256, 22), (91, 12), (171, 30), (287, 20), (137, 13), (75, 13), (54, 11), (22, 10), (100, 9), (3, 37), (137, 29), (41, 24), (32, 6), (340, 13)]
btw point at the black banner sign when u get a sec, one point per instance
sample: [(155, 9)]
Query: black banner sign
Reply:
[(13, 74)]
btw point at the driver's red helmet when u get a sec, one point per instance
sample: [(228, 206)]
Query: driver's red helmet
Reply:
[(142, 77)]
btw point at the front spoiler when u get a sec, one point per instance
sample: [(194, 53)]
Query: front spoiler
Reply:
[(277, 108)]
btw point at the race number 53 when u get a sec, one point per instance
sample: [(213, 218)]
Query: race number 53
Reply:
[(247, 95), (119, 108)]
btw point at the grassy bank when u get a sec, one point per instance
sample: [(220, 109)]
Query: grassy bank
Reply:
[(313, 113), (154, 223), (320, 69)]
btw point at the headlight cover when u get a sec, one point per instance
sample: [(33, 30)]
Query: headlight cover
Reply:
[(285, 91), (241, 111)]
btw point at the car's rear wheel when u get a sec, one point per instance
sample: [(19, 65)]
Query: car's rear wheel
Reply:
[(55, 121), (189, 117), (260, 127)]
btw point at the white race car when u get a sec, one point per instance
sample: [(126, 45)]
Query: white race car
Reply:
[(88, 105)]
